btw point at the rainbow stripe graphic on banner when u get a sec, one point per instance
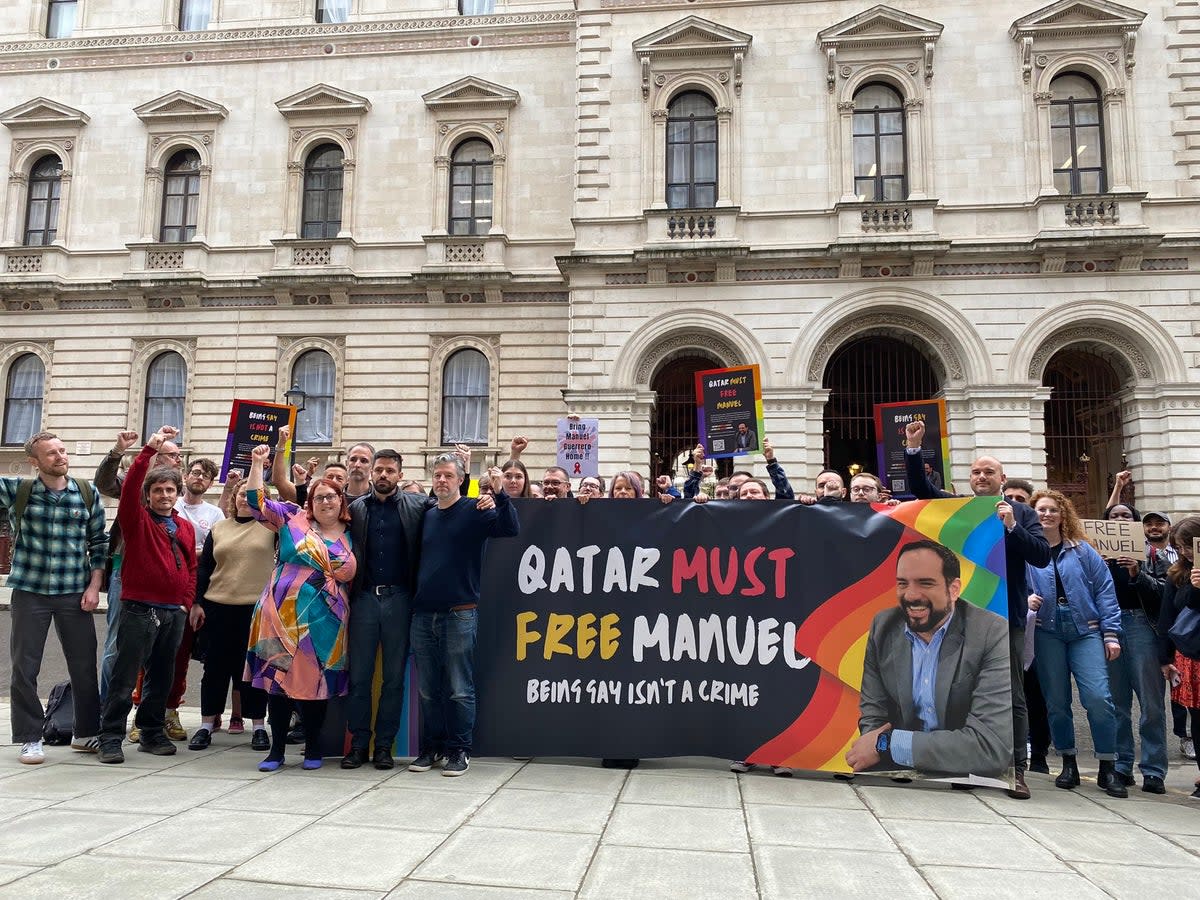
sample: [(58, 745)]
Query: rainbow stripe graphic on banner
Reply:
[(834, 636)]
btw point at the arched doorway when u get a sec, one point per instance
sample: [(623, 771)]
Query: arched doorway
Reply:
[(1084, 440), (862, 372), (673, 428)]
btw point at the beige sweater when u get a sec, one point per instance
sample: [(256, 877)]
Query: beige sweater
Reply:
[(243, 555)]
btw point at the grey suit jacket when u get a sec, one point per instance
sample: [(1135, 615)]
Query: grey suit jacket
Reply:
[(973, 692)]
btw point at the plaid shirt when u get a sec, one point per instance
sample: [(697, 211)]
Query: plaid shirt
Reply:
[(60, 540)]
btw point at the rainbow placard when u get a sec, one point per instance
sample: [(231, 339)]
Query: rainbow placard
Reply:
[(729, 413)]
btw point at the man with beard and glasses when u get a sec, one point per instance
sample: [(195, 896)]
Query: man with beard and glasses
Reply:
[(935, 686)]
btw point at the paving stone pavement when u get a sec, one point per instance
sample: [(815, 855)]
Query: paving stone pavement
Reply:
[(209, 825)]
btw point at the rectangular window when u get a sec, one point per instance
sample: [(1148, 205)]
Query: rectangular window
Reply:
[(330, 12), (61, 21), (194, 15), (476, 7)]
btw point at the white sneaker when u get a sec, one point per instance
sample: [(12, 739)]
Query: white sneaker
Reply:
[(740, 766), (781, 771), (86, 745), (1187, 747), (32, 753)]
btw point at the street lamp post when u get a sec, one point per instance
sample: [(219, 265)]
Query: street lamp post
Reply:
[(295, 396)]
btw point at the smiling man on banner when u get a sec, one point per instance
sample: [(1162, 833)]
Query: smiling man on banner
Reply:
[(935, 688)]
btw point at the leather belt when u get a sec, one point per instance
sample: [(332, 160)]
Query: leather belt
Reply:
[(380, 589)]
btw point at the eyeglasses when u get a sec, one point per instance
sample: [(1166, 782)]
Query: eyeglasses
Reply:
[(1013, 498), (170, 455), (864, 489), (328, 498), (197, 473), (552, 482)]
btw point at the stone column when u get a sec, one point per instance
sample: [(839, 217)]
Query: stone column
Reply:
[(914, 133)]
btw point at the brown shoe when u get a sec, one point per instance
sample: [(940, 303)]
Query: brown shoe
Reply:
[(1021, 790)]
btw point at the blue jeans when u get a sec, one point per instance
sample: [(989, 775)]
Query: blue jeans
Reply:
[(1061, 653), (1136, 671), (110, 641), (443, 644), (378, 623)]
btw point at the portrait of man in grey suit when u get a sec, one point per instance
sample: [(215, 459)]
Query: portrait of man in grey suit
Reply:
[(936, 693)]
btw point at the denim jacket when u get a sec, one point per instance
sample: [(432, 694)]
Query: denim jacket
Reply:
[(1089, 588)]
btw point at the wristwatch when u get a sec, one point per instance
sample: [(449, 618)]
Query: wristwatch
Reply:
[(883, 745)]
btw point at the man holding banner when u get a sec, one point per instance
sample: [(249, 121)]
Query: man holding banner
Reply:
[(935, 686), (1024, 542)]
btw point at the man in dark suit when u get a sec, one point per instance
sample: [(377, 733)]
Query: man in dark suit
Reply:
[(935, 688), (935, 691), (1024, 542)]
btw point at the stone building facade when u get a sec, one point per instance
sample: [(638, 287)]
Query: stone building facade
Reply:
[(447, 225)]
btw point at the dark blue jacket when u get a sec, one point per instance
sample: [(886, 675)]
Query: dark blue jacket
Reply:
[(1026, 543)]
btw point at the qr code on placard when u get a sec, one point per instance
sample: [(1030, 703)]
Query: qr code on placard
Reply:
[(899, 484), (718, 445)]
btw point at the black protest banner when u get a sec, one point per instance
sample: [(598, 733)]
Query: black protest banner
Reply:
[(737, 630)]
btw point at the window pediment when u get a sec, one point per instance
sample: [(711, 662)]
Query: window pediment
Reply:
[(1078, 26), (40, 113), (180, 106), (880, 25), (692, 45), (322, 100), (471, 92), (1074, 17), (877, 34), (692, 36)]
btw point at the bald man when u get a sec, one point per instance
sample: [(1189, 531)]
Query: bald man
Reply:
[(1024, 542)]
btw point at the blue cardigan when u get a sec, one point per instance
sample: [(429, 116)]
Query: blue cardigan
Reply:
[(1089, 588)]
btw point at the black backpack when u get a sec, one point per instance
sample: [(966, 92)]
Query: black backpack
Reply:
[(60, 715)]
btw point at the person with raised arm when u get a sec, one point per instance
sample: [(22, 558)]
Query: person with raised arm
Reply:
[(297, 648)]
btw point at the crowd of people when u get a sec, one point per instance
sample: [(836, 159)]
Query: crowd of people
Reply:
[(299, 587)]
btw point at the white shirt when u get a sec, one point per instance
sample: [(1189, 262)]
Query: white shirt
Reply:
[(202, 515)]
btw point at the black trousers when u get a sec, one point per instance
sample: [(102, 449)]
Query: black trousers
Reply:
[(1039, 716), (147, 638), (225, 633), (31, 618)]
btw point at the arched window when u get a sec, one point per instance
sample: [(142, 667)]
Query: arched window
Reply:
[(692, 152), (181, 197), (322, 213), (1077, 135), (880, 167), (23, 399), (166, 385), (41, 212), (471, 188), (465, 398), (315, 373)]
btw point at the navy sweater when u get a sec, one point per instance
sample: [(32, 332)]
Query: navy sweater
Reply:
[(453, 541)]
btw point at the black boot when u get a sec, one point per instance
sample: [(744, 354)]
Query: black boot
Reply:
[(1109, 781), (1068, 778), (1039, 764)]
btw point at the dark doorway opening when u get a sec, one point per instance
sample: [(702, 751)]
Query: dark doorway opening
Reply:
[(673, 429), (865, 371), (1084, 440)]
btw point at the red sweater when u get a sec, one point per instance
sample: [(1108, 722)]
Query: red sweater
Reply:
[(152, 571)]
